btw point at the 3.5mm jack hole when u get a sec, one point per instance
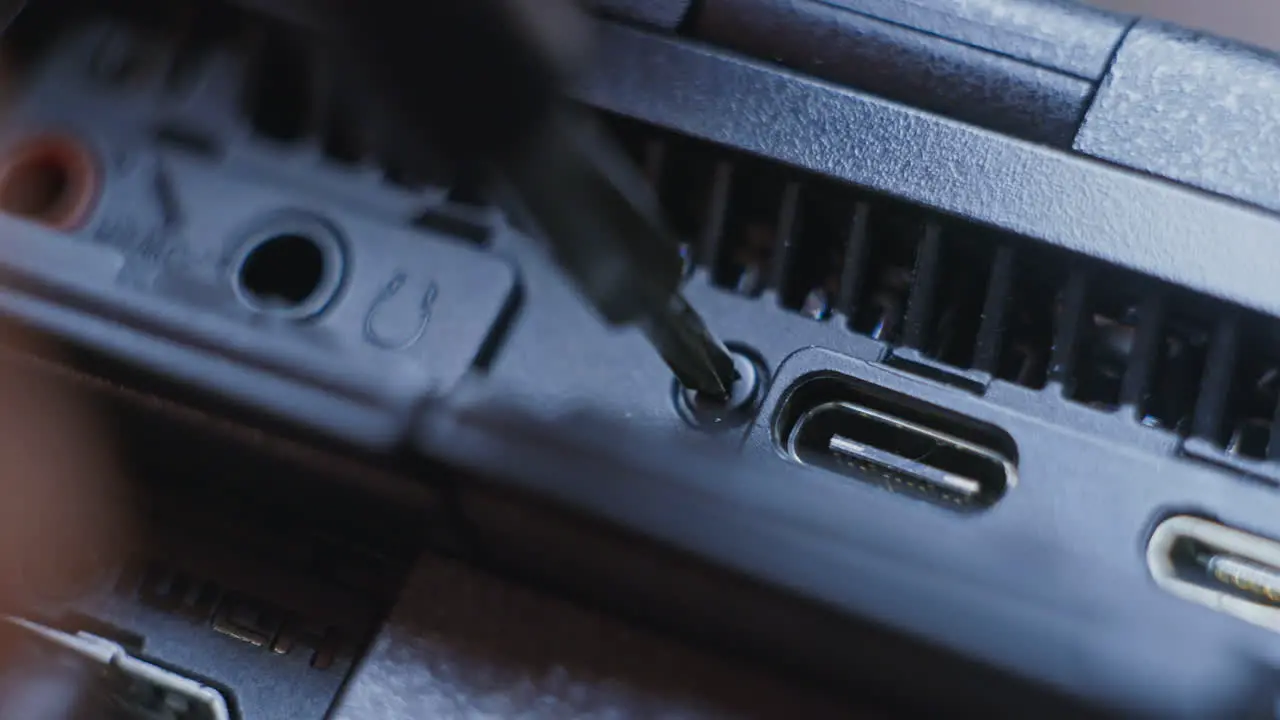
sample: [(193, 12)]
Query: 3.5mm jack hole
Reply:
[(284, 269), (290, 268)]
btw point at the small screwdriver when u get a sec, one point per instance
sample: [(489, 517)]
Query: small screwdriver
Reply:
[(483, 79)]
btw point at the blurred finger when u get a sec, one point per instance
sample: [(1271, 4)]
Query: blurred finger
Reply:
[(60, 510)]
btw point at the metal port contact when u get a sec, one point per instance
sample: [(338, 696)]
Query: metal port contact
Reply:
[(290, 266), (1220, 567), (903, 445)]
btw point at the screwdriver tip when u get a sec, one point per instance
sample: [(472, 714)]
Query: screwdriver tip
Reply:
[(699, 360)]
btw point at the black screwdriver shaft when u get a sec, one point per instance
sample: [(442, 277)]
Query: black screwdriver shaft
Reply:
[(483, 79)]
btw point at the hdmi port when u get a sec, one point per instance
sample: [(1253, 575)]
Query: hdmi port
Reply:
[(896, 442), (1225, 569)]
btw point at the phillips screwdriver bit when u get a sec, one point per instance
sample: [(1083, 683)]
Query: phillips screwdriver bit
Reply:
[(483, 79)]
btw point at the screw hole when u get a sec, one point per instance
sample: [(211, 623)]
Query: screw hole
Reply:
[(718, 414)]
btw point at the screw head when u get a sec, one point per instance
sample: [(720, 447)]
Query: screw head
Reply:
[(711, 413)]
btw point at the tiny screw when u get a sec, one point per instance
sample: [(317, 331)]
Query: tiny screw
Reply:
[(711, 413)]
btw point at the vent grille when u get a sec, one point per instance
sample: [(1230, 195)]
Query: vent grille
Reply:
[(968, 298), (958, 296), (294, 93)]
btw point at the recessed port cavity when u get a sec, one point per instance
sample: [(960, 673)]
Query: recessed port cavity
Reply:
[(291, 267), (50, 179), (1220, 567), (901, 444)]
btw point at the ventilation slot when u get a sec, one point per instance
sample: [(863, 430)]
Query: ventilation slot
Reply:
[(344, 140), (281, 87), (954, 293), (951, 294), (1239, 390), (133, 39), (1168, 400), (120, 57), (741, 253), (1027, 340), (952, 326), (1106, 343), (297, 94), (885, 282), (693, 189), (200, 31), (406, 175), (827, 230), (1251, 429)]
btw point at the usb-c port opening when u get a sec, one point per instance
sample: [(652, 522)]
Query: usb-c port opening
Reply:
[(1219, 567), (887, 439)]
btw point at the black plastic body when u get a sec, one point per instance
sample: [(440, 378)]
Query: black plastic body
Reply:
[(659, 14), (1003, 151), (903, 605), (1223, 96), (903, 53)]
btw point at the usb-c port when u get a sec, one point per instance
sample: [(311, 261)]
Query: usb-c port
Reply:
[(1228, 570), (883, 438)]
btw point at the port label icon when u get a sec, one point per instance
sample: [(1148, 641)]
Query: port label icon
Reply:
[(391, 328)]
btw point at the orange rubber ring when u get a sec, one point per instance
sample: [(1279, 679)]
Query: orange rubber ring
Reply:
[(49, 179)]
